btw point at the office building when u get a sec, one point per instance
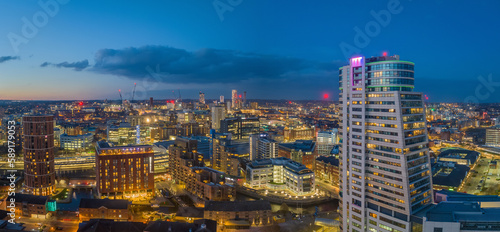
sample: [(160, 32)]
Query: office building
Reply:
[(298, 133), (38, 145), (326, 141), (76, 142), (493, 136), (240, 128), (384, 161), (121, 133), (218, 114), (280, 174), (124, 171), (262, 146)]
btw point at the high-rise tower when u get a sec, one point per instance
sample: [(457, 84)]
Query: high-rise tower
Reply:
[(38, 145), (384, 167), (202, 98), (218, 114), (234, 98)]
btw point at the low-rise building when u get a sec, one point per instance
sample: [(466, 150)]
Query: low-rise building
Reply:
[(448, 175), (292, 134), (27, 205), (239, 214), (103, 225), (485, 201), (118, 210), (76, 142), (459, 156), (461, 216), (280, 174)]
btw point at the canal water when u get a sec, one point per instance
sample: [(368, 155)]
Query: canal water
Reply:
[(75, 200)]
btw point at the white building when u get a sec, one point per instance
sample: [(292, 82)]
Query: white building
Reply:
[(75, 142), (325, 141), (280, 174), (384, 159)]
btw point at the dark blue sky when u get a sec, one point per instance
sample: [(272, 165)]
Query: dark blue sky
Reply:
[(271, 49)]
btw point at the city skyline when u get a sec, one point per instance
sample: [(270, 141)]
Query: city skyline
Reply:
[(87, 51)]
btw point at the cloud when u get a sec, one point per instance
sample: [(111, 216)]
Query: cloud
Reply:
[(7, 58), (173, 65), (77, 66)]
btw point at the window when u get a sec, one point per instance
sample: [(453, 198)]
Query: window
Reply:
[(438, 229)]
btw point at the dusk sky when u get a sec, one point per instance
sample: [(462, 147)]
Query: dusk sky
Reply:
[(271, 49)]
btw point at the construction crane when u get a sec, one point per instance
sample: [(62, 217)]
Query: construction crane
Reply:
[(121, 98), (133, 93), (180, 98)]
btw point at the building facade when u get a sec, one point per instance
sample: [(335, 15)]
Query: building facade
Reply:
[(186, 168), (299, 133), (202, 98), (280, 174), (493, 136), (117, 210), (262, 146), (30, 206), (234, 98), (240, 128), (326, 141), (124, 171), (38, 145), (301, 151), (76, 142), (326, 168), (384, 160), (231, 214), (218, 114)]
